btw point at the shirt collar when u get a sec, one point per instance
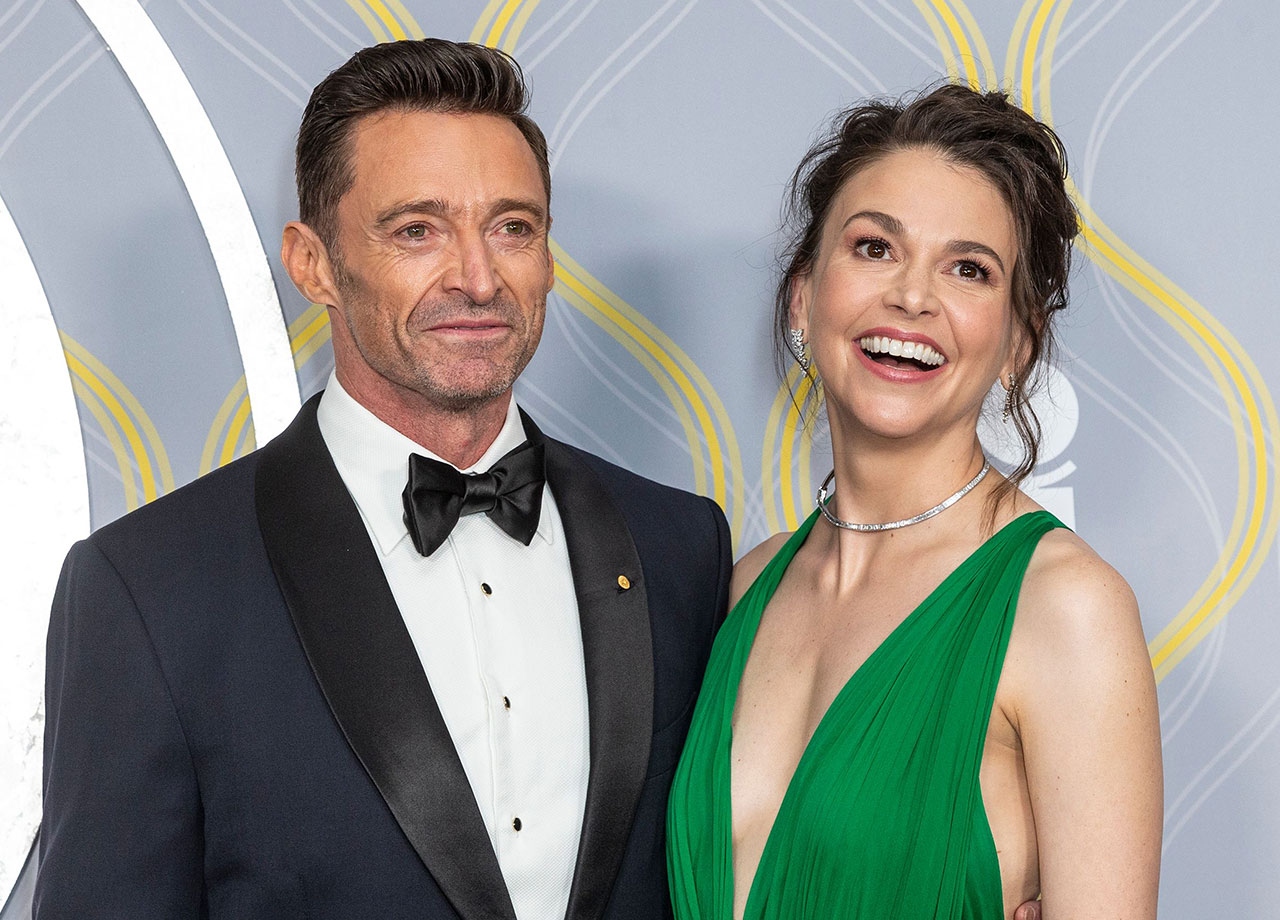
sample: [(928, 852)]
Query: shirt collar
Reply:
[(373, 460)]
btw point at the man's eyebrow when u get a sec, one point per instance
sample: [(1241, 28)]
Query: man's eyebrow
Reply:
[(533, 208), (431, 206), (969, 247), (436, 207)]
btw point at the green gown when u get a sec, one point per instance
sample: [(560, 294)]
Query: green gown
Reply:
[(883, 817)]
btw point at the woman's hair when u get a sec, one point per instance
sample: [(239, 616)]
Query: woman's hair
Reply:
[(1020, 156)]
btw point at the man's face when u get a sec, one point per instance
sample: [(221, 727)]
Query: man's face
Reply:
[(441, 260)]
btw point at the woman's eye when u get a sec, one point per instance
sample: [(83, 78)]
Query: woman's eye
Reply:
[(971, 270), (873, 249)]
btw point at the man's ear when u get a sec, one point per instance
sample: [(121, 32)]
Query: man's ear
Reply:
[(306, 259)]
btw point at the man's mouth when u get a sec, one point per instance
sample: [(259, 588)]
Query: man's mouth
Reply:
[(901, 354)]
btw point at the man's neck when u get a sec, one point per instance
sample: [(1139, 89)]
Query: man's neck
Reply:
[(459, 437)]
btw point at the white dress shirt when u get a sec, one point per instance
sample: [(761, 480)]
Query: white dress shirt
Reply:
[(495, 624)]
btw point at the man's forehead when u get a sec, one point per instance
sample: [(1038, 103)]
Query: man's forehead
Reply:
[(465, 162)]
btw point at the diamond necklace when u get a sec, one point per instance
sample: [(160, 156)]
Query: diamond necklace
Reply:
[(824, 497)]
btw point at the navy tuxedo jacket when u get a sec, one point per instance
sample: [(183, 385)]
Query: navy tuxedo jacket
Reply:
[(238, 725)]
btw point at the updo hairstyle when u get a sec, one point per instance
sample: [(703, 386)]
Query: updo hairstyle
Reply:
[(1020, 156)]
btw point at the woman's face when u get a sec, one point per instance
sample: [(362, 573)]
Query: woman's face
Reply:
[(907, 306)]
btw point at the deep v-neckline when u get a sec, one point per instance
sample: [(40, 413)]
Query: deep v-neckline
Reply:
[(768, 580)]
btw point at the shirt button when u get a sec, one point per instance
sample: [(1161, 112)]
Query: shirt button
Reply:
[(516, 824), (506, 704), (484, 586)]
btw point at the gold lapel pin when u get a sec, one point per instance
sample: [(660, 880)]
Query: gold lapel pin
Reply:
[(624, 582)]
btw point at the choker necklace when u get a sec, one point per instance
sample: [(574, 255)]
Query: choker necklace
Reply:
[(824, 497)]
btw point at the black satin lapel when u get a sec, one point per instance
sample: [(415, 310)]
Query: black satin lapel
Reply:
[(618, 651), (367, 667)]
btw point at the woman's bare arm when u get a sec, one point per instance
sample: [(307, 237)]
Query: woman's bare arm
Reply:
[(1086, 714)]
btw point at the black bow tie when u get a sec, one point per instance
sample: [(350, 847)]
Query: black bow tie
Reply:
[(510, 493)]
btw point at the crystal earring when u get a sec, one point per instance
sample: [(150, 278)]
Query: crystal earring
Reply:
[(799, 350), (1009, 395)]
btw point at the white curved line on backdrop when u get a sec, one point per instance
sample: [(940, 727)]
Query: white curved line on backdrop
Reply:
[(1249, 731), (1110, 106), (235, 52), (933, 62), (1059, 60), (7, 140), (345, 52), (853, 81), (44, 486), (558, 142), (527, 45), (219, 204), (565, 319), (13, 33)]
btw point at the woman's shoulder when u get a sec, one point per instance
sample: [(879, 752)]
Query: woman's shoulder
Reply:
[(1069, 587), (748, 568), (1076, 633)]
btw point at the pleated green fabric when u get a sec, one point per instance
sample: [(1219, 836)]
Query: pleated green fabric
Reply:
[(883, 818)]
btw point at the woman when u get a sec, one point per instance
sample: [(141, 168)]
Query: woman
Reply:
[(879, 735)]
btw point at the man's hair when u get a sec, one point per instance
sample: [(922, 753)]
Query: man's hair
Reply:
[(429, 75)]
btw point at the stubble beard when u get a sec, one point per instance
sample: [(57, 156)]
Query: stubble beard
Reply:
[(433, 380)]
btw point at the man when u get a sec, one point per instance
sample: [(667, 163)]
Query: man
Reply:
[(304, 687)]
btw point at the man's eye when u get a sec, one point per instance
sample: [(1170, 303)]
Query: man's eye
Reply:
[(415, 231), (515, 227)]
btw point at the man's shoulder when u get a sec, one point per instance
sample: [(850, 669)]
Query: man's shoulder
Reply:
[(213, 504), (627, 486)]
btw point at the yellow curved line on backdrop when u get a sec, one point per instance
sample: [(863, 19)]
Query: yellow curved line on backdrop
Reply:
[(307, 335), (798, 423), (500, 22), (772, 431), (482, 24), (384, 15), (118, 398), (410, 24), (984, 52), (573, 293), (940, 39), (622, 321), (238, 422), (517, 27), (370, 21), (85, 394), (634, 326), (770, 444), (1014, 49), (963, 49), (1220, 590), (122, 419), (311, 339), (229, 404), (795, 428)]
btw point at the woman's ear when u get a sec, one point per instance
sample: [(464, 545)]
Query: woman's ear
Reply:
[(799, 296)]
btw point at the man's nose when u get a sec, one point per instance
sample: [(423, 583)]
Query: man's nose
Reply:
[(471, 270)]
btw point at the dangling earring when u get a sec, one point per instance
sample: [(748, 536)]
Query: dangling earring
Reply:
[(1009, 395), (799, 350)]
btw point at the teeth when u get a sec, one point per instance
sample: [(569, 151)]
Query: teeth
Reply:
[(883, 345)]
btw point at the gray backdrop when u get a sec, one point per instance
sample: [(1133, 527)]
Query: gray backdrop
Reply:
[(145, 172)]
